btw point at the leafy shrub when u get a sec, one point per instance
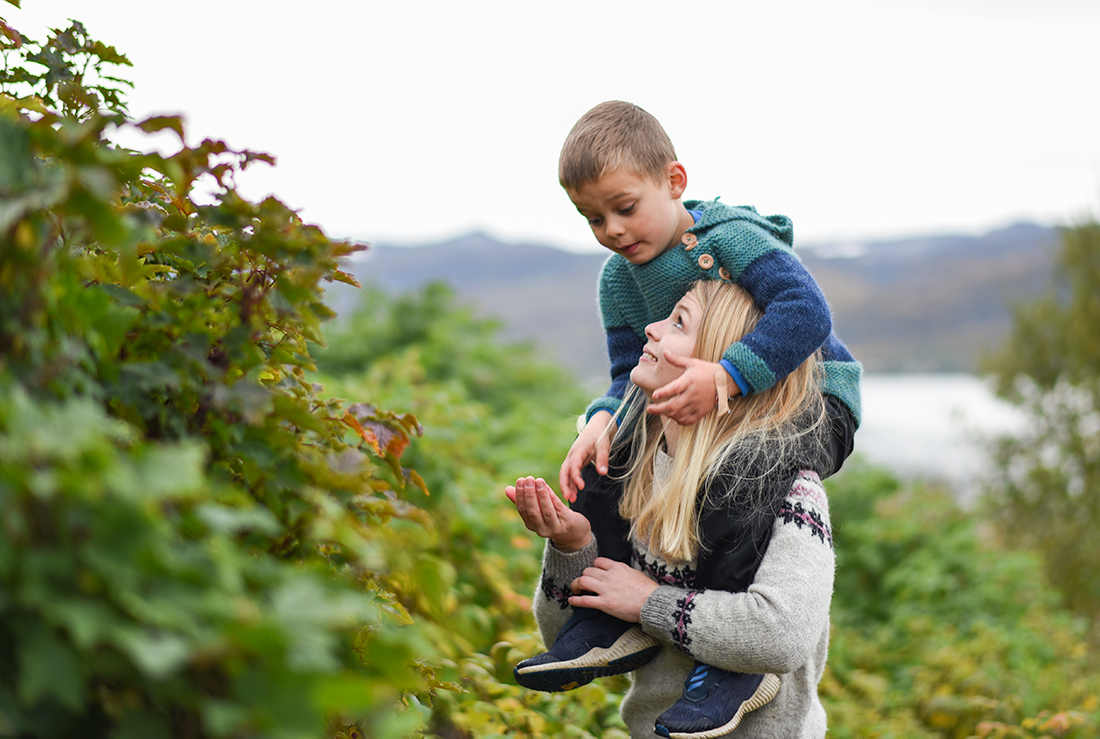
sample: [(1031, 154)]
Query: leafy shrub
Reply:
[(937, 633), (197, 542)]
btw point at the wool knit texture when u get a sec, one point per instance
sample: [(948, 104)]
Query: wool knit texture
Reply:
[(755, 252), (780, 625)]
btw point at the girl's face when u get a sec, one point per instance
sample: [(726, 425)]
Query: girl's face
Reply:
[(675, 334)]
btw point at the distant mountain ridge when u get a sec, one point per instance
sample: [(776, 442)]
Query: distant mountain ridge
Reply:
[(919, 305)]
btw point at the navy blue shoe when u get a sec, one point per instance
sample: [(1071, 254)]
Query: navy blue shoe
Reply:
[(714, 702), (591, 644)]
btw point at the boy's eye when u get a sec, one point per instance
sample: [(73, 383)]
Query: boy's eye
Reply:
[(594, 221), (627, 210)]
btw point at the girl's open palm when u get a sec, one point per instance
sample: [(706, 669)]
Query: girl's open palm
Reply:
[(544, 513)]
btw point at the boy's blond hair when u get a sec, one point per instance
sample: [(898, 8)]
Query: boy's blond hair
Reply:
[(612, 136), (763, 438)]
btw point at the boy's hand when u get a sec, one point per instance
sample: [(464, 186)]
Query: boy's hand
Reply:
[(543, 512), (692, 395), (592, 445)]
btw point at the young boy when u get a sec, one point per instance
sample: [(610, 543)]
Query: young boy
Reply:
[(619, 168)]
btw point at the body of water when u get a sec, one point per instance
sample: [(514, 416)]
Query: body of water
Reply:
[(932, 426)]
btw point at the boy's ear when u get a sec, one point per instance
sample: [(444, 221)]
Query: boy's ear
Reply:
[(677, 179)]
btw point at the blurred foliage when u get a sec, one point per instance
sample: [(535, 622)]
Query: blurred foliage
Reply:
[(491, 412), (939, 633), (1046, 494)]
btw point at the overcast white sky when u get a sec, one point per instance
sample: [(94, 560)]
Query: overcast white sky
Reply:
[(415, 121)]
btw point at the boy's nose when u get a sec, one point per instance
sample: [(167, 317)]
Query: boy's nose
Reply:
[(615, 227)]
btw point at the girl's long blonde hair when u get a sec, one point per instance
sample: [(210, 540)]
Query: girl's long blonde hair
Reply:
[(733, 460)]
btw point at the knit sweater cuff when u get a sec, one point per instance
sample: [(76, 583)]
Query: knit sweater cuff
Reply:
[(754, 370), (560, 569), (606, 403), (666, 615)]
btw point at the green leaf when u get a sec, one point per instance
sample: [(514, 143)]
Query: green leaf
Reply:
[(142, 724), (164, 471), (227, 520), (162, 122), (157, 655), (16, 161), (49, 669)]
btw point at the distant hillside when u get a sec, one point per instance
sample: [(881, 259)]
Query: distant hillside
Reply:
[(929, 304), (932, 304)]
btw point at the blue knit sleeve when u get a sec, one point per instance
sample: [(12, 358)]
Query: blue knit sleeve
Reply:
[(624, 345), (795, 324), (623, 349)]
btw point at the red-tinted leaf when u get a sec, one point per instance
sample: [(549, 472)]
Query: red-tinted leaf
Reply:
[(346, 278), (10, 33), (367, 435)]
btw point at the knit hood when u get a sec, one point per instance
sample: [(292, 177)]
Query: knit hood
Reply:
[(715, 213)]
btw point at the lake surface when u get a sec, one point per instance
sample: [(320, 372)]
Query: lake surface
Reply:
[(932, 426)]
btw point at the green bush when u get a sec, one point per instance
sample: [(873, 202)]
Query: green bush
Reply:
[(196, 541), (938, 632)]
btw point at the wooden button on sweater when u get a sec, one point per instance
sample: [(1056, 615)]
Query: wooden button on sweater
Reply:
[(706, 261)]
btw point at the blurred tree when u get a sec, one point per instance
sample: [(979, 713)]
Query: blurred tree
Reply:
[(1046, 493)]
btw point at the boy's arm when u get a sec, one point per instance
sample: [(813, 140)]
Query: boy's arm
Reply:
[(594, 442), (796, 320), (624, 347), (795, 323)]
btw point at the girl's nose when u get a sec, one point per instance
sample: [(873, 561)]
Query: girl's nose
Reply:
[(653, 331)]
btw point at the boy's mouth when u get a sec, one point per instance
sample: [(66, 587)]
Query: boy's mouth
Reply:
[(628, 248)]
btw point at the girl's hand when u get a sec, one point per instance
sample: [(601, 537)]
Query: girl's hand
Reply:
[(692, 395), (544, 513), (614, 588)]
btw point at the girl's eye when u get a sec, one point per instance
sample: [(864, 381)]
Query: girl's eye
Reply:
[(678, 322)]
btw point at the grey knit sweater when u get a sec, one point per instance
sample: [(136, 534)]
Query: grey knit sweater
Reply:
[(780, 625)]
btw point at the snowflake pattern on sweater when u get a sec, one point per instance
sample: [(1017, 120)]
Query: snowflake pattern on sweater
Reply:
[(803, 507)]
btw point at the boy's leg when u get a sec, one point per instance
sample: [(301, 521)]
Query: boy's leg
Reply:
[(842, 431), (599, 502), (591, 644), (714, 702)]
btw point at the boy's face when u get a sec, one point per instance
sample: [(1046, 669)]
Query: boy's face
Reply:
[(633, 215)]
